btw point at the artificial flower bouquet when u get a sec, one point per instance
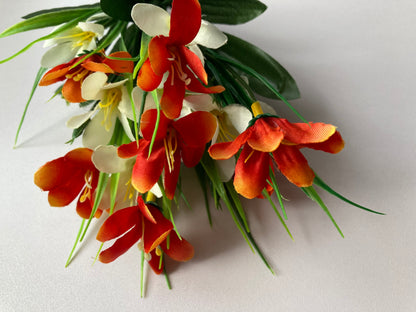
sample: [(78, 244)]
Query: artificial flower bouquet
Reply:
[(159, 86)]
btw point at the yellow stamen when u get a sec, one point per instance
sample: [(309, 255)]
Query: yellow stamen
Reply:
[(158, 251), (109, 103), (79, 38), (171, 146), (87, 191), (256, 108), (150, 196), (130, 191), (248, 157), (224, 134)]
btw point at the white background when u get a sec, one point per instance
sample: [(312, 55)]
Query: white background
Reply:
[(354, 62)]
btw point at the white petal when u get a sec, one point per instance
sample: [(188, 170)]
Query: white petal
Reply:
[(210, 36), (156, 191), (151, 19), (92, 85), (215, 136), (200, 102), (97, 29), (194, 48), (238, 116), (76, 121), (106, 160), (59, 54), (137, 95), (95, 133), (267, 109), (225, 168), (114, 84), (126, 126)]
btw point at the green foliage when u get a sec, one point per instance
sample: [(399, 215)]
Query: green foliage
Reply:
[(49, 18), (261, 62), (231, 12)]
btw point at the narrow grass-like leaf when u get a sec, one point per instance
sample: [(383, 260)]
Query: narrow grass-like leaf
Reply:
[(167, 278), (167, 208), (278, 194), (99, 192), (75, 244), (265, 194), (62, 9), (319, 182), (48, 19), (156, 100), (237, 203), (314, 196), (35, 85), (142, 274)]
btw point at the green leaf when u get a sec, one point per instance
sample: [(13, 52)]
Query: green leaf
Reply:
[(231, 12), (80, 7), (46, 19), (318, 181), (121, 9), (261, 62), (78, 131), (313, 194), (35, 85)]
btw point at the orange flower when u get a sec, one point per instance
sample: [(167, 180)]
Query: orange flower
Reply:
[(69, 176), (184, 139), (170, 54), (145, 222), (272, 138), (74, 77)]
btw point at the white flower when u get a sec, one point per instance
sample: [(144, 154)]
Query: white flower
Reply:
[(113, 100), (70, 43)]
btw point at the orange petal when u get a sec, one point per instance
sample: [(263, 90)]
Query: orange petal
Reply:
[(84, 208), (197, 128), (305, 133), (147, 170), (333, 145), (98, 67), (178, 250), (251, 172), (144, 209), (147, 80), (148, 122), (120, 66), (121, 245), (52, 174), (172, 175), (154, 263), (190, 59), (128, 150), (293, 165), (226, 150), (54, 75), (172, 98), (118, 223), (64, 194), (159, 55), (155, 234), (80, 158), (71, 91), (266, 135), (185, 21)]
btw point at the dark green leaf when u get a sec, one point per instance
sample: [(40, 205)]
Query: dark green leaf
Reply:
[(255, 58), (80, 7), (78, 131), (231, 12), (48, 19), (121, 9)]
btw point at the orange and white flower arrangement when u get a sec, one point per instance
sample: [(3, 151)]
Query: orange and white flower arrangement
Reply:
[(160, 88)]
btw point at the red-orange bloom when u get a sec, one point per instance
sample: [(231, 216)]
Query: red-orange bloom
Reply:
[(145, 222), (170, 54), (282, 139), (74, 77), (69, 176), (184, 139)]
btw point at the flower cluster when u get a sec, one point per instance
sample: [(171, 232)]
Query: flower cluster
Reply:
[(160, 88)]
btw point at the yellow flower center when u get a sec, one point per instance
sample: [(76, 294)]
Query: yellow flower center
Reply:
[(171, 144), (108, 104), (88, 186), (130, 192), (80, 38)]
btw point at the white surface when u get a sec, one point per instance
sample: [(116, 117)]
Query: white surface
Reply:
[(354, 62)]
